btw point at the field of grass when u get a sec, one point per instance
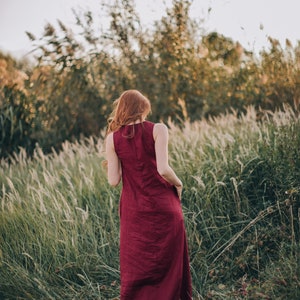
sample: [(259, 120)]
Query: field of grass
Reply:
[(59, 226)]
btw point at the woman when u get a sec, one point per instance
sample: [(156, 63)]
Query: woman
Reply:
[(154, 260)]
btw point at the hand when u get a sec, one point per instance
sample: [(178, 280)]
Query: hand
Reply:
[(104, 164), (179, 190)]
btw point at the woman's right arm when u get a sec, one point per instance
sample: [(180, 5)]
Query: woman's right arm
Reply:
[(161, 138), (114, 171)]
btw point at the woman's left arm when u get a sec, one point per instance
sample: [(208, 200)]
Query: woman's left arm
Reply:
[(114, 171)]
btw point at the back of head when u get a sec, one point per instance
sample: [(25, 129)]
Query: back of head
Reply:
[(130, 107)]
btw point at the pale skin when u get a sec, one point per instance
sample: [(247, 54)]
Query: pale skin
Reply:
[(161, 137)]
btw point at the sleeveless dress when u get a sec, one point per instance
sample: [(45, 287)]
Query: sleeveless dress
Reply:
[(154, 262)]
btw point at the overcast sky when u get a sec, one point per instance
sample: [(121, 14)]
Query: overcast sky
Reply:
[(246, 21)]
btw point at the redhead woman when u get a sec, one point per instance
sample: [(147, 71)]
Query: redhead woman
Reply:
[(154, 260)]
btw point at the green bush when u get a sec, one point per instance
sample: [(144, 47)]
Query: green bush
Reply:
[(17, 121)]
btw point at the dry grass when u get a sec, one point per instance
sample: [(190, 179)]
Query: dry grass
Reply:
[(59, 218)]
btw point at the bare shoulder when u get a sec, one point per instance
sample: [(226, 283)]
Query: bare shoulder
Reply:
[(160, 129)]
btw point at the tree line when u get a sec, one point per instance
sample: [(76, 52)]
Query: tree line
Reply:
[(66, 94)]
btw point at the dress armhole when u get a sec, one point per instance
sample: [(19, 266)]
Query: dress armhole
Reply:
[(114, 139)]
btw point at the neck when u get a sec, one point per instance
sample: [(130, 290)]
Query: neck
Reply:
[(136, 122)]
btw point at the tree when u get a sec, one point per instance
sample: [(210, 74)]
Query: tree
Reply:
[(17, 110)]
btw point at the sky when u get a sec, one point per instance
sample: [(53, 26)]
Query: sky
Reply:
[(248, 21)]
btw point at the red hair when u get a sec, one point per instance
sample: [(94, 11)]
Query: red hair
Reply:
[(130, 107)]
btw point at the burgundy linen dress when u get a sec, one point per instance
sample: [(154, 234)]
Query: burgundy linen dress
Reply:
[(154, 260)]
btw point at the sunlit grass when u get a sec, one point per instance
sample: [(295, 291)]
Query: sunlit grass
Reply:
[(59, 220)]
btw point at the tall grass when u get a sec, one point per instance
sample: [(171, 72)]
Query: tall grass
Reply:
[(59, 226), (59, 218)]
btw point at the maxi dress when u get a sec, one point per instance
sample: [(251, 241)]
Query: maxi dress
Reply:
[(154, 262)]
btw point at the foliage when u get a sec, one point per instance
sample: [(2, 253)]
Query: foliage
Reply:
[(18, 111), (59, 222), (16, 122), (187, 74)]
